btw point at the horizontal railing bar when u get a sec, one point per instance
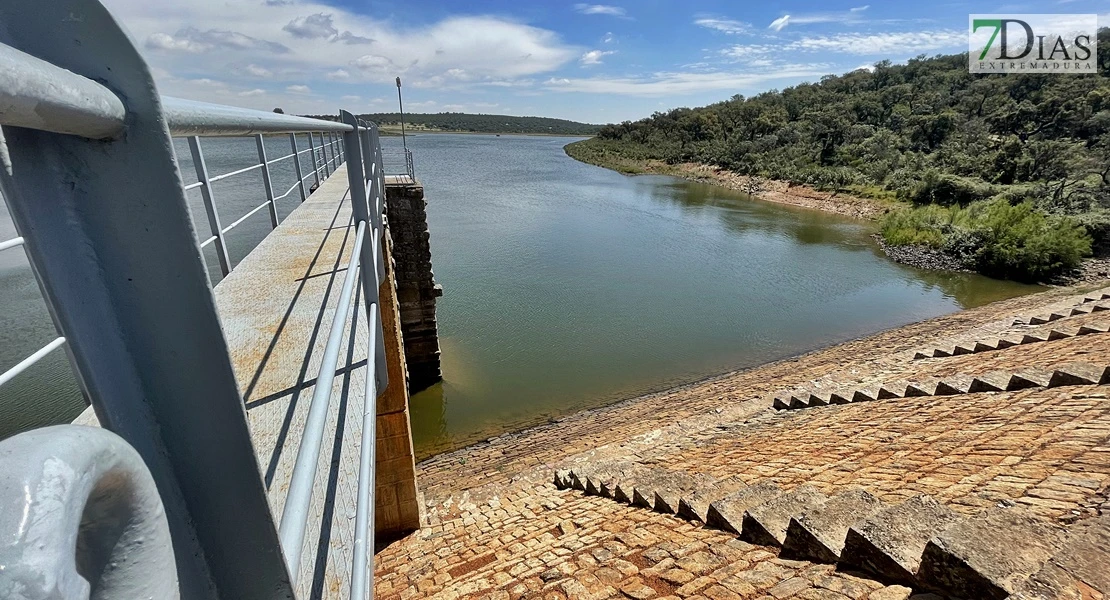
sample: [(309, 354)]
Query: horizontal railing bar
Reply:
[(362, 579), (245, 217), (289, 191), (188, 117), (207, 241), (278, 159), (194, 185), (12, 243), (294, 518), (234, 173), (24, 364), (38, 95)]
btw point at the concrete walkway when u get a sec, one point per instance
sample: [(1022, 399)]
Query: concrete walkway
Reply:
[(276, 308)]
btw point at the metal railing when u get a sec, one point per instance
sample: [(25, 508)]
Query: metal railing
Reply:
[(93, 188), (399, 162)]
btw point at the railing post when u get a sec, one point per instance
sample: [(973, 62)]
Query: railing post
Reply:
[(297, 165), (315, 162), (331, 147), (367, 155), (361, 210), (209, 204), (266, 181), (115, 255), (324, 156)]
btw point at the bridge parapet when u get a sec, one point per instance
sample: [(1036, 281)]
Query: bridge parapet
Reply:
[(96, 195)]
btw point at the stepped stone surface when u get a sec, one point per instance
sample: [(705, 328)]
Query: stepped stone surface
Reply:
[(1081, 566), (696, 505), (728, 512), (989, 555), (889, 543), (818, 534), (766, 523), (495, 527), (666, 487)]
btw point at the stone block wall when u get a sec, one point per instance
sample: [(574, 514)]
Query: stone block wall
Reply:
[(397, 510), (416, 287)]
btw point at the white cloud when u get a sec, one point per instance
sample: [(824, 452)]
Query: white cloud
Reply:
[(593, 57), (349, 38), (299, 89), (350, 98), (728, 26), (852, 15), (306, 42), (779, 23), (322, 26), (608, 39), (675, 84), (257, 71), (372, 62), (599, 9), (194, 40), (904, 43), (319, 25), (254, 92)]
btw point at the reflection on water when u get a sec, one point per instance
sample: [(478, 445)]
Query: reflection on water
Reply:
[(568, 286)]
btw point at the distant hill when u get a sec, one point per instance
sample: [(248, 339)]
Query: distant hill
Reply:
[(480, 123)]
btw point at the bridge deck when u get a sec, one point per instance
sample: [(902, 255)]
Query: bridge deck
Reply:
[(277, 307)]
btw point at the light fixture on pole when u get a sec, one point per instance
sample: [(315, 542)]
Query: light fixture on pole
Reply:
[(401, 104)]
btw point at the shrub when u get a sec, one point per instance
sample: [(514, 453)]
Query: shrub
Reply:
[(1024, 244), (996, 238), (924, 226), (946, 190)]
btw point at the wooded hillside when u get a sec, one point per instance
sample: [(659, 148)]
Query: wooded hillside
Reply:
[(478, 123), (926, 132)]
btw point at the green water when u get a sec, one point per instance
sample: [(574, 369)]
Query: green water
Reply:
[(566, 286)]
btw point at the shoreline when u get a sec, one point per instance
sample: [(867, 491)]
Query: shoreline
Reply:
[(773, 190)]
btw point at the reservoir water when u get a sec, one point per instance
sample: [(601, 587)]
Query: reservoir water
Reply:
[(566, 286)]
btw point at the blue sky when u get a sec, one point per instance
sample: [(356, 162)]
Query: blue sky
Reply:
[(583, 61)]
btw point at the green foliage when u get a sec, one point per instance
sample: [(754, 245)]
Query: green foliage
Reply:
[(995, 237), (485, 123), (927, 132)]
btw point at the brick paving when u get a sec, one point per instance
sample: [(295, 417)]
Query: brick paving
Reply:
[(495, 527)]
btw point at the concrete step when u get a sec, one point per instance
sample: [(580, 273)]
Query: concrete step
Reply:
[(1079, 373), (695, 506), (765, 524), (1090, 328), (889, 542), (995, 381), (660, 489), (1082, 565), (728, 513), (818, 534), (989, 555), (602, 481)]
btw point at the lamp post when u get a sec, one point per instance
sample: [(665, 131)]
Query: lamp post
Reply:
[(401, 104)]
